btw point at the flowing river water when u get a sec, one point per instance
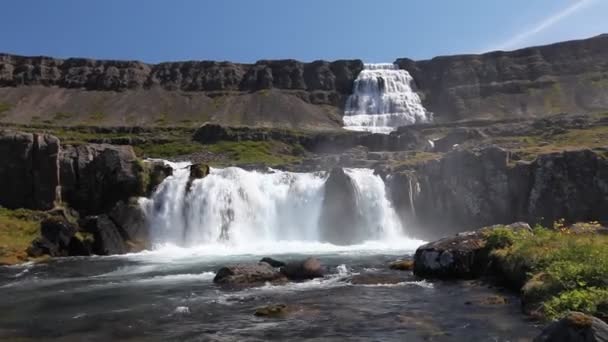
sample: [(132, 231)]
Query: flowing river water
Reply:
[(237, 216)]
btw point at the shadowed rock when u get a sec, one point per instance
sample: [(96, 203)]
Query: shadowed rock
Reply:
[(576, 327), (302, 270), (248, 275)]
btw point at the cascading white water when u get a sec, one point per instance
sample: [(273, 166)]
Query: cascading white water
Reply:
[(236, 207), (383, 100)]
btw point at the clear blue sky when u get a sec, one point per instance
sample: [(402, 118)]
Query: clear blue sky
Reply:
[(249, 30)]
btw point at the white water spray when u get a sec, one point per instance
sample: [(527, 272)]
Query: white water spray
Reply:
[(383, 100), (250, 210)]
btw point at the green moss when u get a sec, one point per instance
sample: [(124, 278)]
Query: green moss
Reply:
[(4, 107), (95, 118), (18, 228), (85, 237), (142, 170), (566, 271), (60, 116), (254, 152), (171, 149)]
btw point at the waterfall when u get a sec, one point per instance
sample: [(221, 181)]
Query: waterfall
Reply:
[(237, 207), (383, 100)]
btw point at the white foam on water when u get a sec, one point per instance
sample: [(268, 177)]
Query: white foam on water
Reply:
[(382, 100), (234, 212)]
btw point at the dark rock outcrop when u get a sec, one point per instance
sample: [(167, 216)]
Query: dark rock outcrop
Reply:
[(340, 221), (309, 268), (576, 327), (562, 77), (460, 256), (273, 262), (108, 237), (157, 171), (470, 189), (29, 171), (58, 238), (95, 177), (130, 218), (248, 275)]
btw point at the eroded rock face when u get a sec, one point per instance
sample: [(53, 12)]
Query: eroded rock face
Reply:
[(470, 189), (340, 221), (96, 176), (29, 171), (330, 79), (563, 77), (248, 275), (576, 327)]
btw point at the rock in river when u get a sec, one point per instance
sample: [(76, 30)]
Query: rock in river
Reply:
[(248, 274)]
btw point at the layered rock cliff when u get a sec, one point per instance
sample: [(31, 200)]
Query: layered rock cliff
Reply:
[(469, 189), (563, 77)]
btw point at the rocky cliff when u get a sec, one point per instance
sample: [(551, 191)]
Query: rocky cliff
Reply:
[(468, 189), (564, 77)]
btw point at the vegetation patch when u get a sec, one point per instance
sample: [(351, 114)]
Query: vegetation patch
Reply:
[(257, 152), (61, 116), (167, 150), (563, 269), (18, 228)]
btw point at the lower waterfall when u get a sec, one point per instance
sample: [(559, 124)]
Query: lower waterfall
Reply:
[(235, 207)]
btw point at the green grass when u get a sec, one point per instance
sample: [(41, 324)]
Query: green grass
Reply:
[(4, 107), (166, 150), (564, 271), (60, 116), (18, 228), (95, 118), (256, 152)]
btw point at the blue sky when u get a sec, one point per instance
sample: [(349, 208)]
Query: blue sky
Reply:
[(249, 30)]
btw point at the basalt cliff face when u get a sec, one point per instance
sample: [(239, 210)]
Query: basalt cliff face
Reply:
[(563, 77)]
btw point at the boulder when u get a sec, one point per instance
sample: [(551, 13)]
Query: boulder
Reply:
[(29, 172), (157, 172), (248, 275), (402, 265), (275, 310), (575, 327), (272, 262), (302, 270), (460, 256), (58, 237)]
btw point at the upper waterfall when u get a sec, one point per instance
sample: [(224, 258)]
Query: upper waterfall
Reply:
[(238, 207), (383, 100)]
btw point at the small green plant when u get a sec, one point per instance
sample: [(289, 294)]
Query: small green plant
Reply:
[(565, 271), (61, 116)]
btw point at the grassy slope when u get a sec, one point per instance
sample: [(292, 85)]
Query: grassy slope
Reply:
[(17, 230), (563, 270)]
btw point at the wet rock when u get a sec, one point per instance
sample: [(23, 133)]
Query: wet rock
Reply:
[(107, 235), (272, 262), (340, 221), (402, 265), (130, 218), (576, 327), (376, 279), (494, 300), (460, 256), (248, 274), (302, 270), (29, 171), (158, 171), (275, 310)]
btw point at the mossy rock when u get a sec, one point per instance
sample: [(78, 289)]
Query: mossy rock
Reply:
[(402, 265), (274, 310)]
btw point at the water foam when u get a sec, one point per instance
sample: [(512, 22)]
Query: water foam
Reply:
[(237, 212), (383, 100)]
